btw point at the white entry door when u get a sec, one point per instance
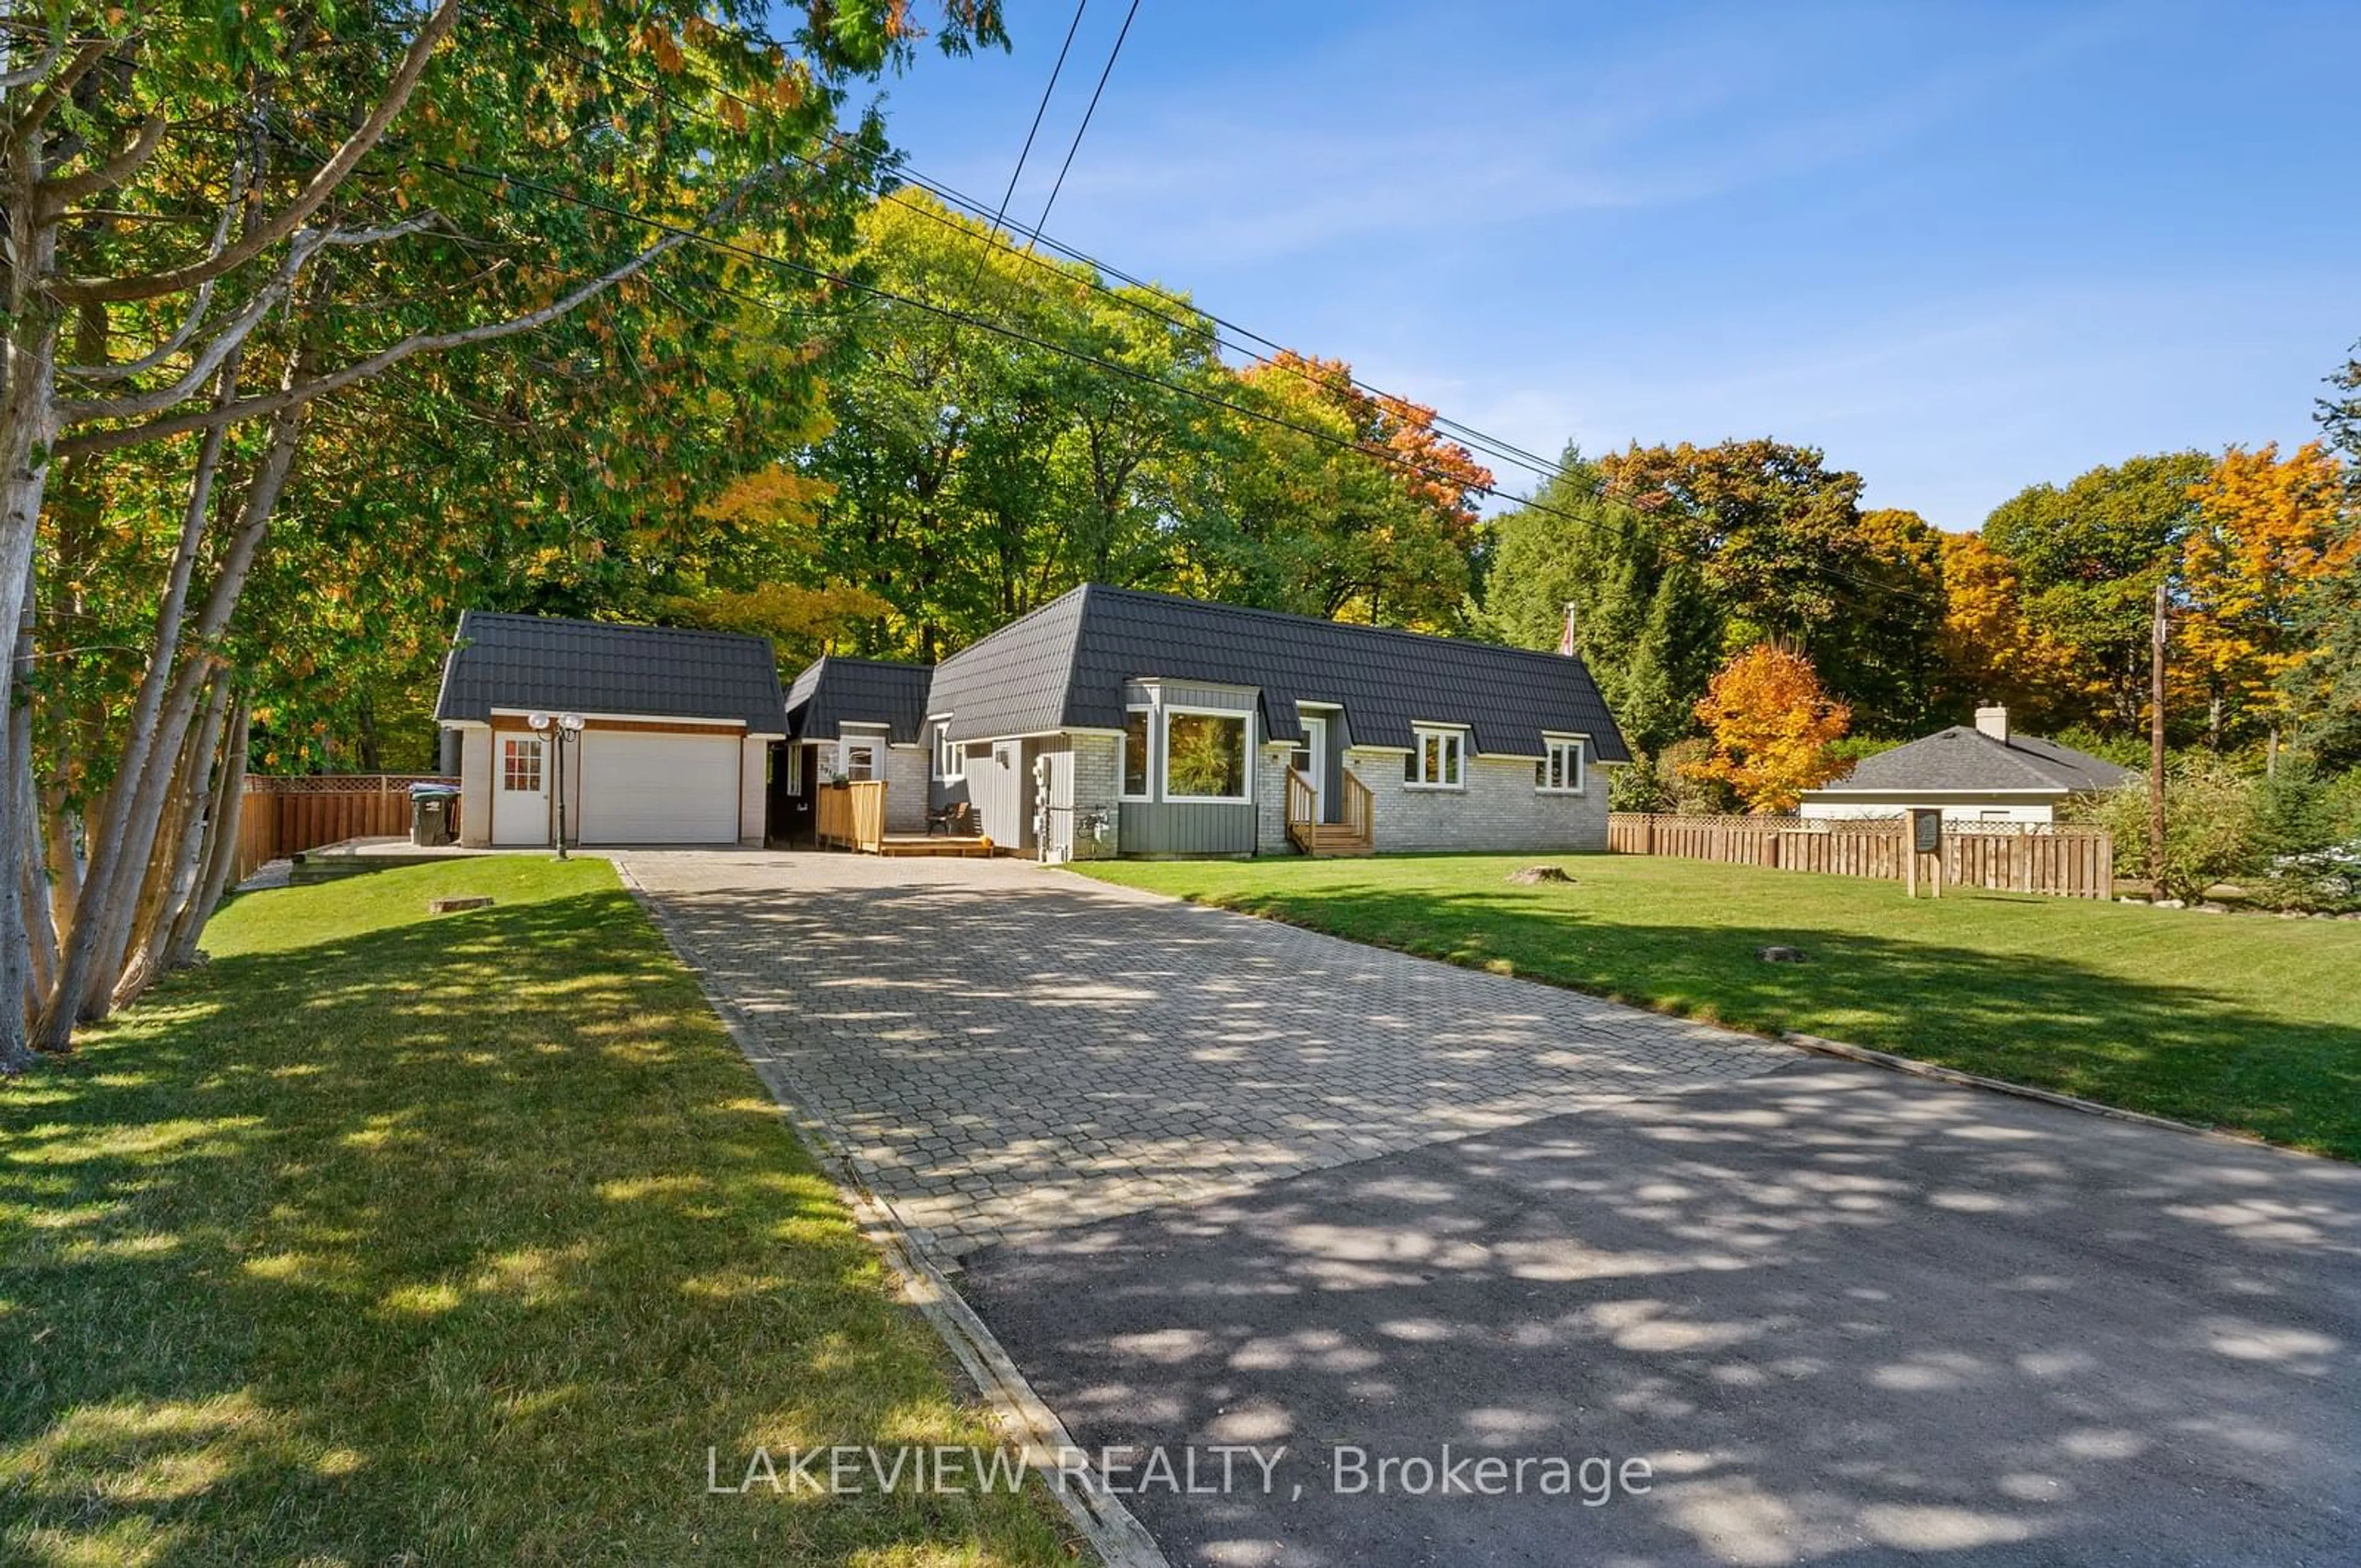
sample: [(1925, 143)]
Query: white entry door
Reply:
[(651, 786), (1310, 760), (520, 789)]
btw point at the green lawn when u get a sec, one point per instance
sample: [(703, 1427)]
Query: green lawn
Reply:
[(395, 1239), (2230, 1021)]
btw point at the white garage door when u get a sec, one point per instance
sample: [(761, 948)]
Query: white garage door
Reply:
[(646, 787)]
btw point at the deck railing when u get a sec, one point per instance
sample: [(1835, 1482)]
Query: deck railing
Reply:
[(1302, 811), (2069, 861), (853, 815)]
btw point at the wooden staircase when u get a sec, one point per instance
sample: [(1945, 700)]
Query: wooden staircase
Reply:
[(1351, 836)]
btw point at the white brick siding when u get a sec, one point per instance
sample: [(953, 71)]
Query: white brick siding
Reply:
[(1270, 801), (1097, 778), (1498, 812), (905, 788)]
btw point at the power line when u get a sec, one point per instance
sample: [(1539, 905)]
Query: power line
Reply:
[(1489, 445), (1043, 107), (1393, 460), (1076, 145)]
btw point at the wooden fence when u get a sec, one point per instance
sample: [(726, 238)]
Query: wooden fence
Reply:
[(853, 815), (2010, 857), (281, 816)]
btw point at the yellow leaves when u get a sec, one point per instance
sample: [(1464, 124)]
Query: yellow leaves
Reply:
[(1772, 723), (2268, 530)]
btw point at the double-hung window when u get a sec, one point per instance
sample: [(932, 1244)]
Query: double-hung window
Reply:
[(1135, 754), (1437, 760), (1560, 770), (950, 760), (860, 759)]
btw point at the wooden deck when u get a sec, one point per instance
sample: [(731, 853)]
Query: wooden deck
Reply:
[(935, 844)]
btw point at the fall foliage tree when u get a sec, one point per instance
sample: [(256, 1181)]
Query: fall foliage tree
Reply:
[(1991, 652), (1770, 723), (2088, 556), (2266, 531)]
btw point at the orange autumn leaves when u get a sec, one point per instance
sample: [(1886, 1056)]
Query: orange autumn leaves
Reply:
[(1772, 724)]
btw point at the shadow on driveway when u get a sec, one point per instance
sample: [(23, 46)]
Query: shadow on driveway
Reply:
[(1848, 1319)]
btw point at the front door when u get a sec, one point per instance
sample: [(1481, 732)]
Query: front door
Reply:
[(1310, 760), (519, 790)]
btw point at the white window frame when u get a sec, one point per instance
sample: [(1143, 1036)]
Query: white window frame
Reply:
[(1577, 747), (1161, 774), (846, 745), (1455, 739), (514, 751), (1149, 771), (947, 762)]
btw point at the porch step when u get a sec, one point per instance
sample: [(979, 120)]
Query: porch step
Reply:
[(1336, 838)]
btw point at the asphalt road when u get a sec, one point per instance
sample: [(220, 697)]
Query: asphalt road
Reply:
[(1846, 1318)]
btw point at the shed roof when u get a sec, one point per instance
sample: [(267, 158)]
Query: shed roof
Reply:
[(544, 661), (833, 691), (1965, 759), (1065, 666)]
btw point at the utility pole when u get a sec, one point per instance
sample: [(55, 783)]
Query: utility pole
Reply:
[(2158, 636)]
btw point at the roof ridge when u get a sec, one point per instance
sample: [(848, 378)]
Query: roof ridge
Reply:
[(526, 615), (1355, 625)]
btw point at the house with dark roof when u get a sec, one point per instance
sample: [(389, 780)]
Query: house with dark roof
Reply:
[(854, 718), (1112, 721), (628, 734), (1979, 772)]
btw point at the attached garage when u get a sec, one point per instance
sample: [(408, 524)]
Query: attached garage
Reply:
[(655, 734), (642, 786)]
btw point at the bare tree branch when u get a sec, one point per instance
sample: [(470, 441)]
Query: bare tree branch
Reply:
[(54, 92), (105, 375), (321, 185), (241, 326), (25, 75), (336, 381), (52, 197)]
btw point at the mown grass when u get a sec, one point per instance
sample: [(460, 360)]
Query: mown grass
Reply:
[(2235, 1022), (395, 1239)]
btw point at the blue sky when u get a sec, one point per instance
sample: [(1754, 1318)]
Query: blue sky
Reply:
[(1961, 248)]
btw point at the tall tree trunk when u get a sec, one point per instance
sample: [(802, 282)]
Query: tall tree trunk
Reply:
[(98, 943), (173, 870), (17, 813), (223, 822)]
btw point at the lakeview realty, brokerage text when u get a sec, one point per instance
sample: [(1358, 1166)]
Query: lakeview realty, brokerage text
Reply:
[(1188, 1470)]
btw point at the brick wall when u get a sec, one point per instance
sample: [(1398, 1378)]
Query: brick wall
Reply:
[(1270, 801), (905, 788), (1498, 812), (1097, 778)]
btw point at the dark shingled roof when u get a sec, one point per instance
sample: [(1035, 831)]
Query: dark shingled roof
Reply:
[(591, 666), (834, 691), (1964, 758), (1064, 666)]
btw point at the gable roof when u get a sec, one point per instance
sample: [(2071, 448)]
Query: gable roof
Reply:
[(1065, 667), (594, 666), (833, 691), (1964, 758)]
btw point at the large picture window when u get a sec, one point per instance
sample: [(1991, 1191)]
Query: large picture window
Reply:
[(1560, 772), (1205, 756), (1135, 754), (1437, 760)]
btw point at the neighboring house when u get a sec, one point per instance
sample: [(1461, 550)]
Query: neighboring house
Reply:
[(678, 727), (1979, 774), (1112, 721), (854, 718)]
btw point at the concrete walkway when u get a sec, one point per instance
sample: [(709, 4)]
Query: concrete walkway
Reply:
[(1219, 1182)]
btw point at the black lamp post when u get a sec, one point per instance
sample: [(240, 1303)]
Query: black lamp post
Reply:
[(568, 726)]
